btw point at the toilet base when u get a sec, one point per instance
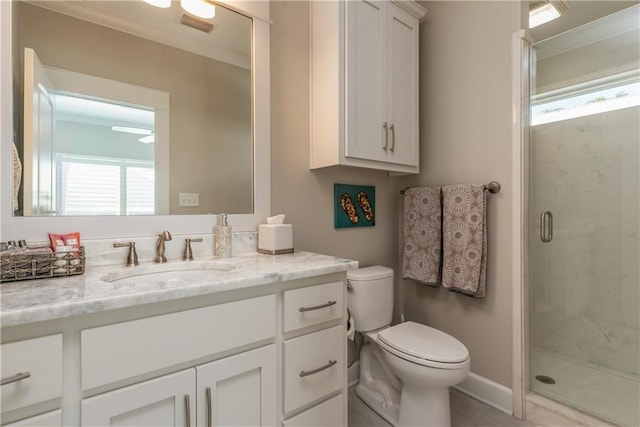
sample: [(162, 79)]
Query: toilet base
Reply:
[(378, 388), (424, 407)]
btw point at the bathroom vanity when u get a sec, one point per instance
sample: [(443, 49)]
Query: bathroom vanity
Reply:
[(253, 340)]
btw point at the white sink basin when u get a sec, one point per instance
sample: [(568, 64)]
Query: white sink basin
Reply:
[(169, 272)]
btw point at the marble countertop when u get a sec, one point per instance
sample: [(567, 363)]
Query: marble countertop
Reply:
[(31, 301)]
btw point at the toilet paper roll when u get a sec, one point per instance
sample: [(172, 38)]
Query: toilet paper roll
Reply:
[(351, 329)]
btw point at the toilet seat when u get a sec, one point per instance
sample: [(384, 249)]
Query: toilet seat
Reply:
[(423, 345)]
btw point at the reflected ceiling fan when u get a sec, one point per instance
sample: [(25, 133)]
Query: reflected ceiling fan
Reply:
[(147, 139)]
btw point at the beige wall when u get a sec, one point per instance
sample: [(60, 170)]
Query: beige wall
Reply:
[(465, 125), (306, 196), (465, 132)]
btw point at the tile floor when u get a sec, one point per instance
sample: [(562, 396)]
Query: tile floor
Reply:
[(465, 412)]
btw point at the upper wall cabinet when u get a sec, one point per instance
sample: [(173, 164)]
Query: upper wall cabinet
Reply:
[(364, 84)]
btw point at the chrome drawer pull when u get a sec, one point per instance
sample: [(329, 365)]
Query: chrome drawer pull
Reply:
[(207, 393), (320, 369), (546, 226), (187, 411), (393, 138), (17, 377), (317, 307), (386, 136)]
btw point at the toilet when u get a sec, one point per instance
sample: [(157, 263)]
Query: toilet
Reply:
[(405, 370)]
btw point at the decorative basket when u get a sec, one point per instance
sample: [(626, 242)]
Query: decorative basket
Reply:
[(41, 265)]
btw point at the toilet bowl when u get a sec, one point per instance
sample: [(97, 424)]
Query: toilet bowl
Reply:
[(428, 362), (405, 370)]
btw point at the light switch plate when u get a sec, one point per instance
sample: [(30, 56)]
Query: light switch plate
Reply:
[(189, 199)]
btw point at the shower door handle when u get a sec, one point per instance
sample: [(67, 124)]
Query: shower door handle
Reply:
[(546, 226)]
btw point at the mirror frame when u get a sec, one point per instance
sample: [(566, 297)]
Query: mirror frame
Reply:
[(97, 227)]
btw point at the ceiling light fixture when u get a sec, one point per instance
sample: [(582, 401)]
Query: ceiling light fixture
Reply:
[(159, 3), (200, 8), (148, 139), (137, 131), (543, 11)]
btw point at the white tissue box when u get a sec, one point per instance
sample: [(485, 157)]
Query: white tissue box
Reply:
[(275, 239)]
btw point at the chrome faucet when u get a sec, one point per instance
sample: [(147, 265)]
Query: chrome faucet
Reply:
[(162, 237), (132, 256), (187, 255)]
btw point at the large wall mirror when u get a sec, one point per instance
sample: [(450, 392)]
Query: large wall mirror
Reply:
[(125, 108), (121, 108)]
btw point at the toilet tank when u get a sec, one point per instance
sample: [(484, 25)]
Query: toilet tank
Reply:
[(370, 297)]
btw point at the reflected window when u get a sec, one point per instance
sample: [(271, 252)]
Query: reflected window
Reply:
[(101, 186), (104, 155)]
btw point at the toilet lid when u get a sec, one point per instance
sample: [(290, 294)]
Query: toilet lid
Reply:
[(424, 342)]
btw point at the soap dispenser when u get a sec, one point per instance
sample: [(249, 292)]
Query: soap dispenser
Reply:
[(222, 237)]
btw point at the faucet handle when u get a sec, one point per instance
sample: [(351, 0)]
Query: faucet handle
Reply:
[(187, 255), (132, 256)]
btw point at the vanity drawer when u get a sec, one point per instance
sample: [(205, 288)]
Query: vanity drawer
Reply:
[(124, 350), (313, 305), (313, 366), (326, 414), (41, 360)]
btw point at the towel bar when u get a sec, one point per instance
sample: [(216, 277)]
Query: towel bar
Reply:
[(493, 187)]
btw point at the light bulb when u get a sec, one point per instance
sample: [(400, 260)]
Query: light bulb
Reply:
[(159, 3)]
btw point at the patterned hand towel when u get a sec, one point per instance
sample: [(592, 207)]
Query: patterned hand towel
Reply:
[(422, 235), (464, 231)]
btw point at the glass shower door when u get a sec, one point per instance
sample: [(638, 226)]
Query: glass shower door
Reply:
[(584, 188)]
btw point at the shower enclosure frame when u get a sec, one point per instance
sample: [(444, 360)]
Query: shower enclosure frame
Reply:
[(520, 92), (521, 71), (523, 401)]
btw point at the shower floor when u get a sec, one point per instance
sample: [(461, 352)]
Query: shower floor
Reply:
[(596, 391)]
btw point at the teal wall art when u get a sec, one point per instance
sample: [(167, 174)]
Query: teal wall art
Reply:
[(354, 205)]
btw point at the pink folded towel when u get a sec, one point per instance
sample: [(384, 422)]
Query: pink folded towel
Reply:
[(464, 231), (422, 235)]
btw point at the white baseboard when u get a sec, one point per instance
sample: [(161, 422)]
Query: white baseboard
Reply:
[(487, 391)]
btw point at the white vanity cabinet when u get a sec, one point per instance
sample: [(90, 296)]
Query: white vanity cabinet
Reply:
[(165, 401), (239, 390), (236, 390), (314, 355), (269, 355), (364, 84), (31, 373), (48, 419)]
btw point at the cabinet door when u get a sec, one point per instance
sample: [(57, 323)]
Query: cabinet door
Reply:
[(402, 108), (49, 419), (366, 136), (164, 401), (327, 414), (239, 390)]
